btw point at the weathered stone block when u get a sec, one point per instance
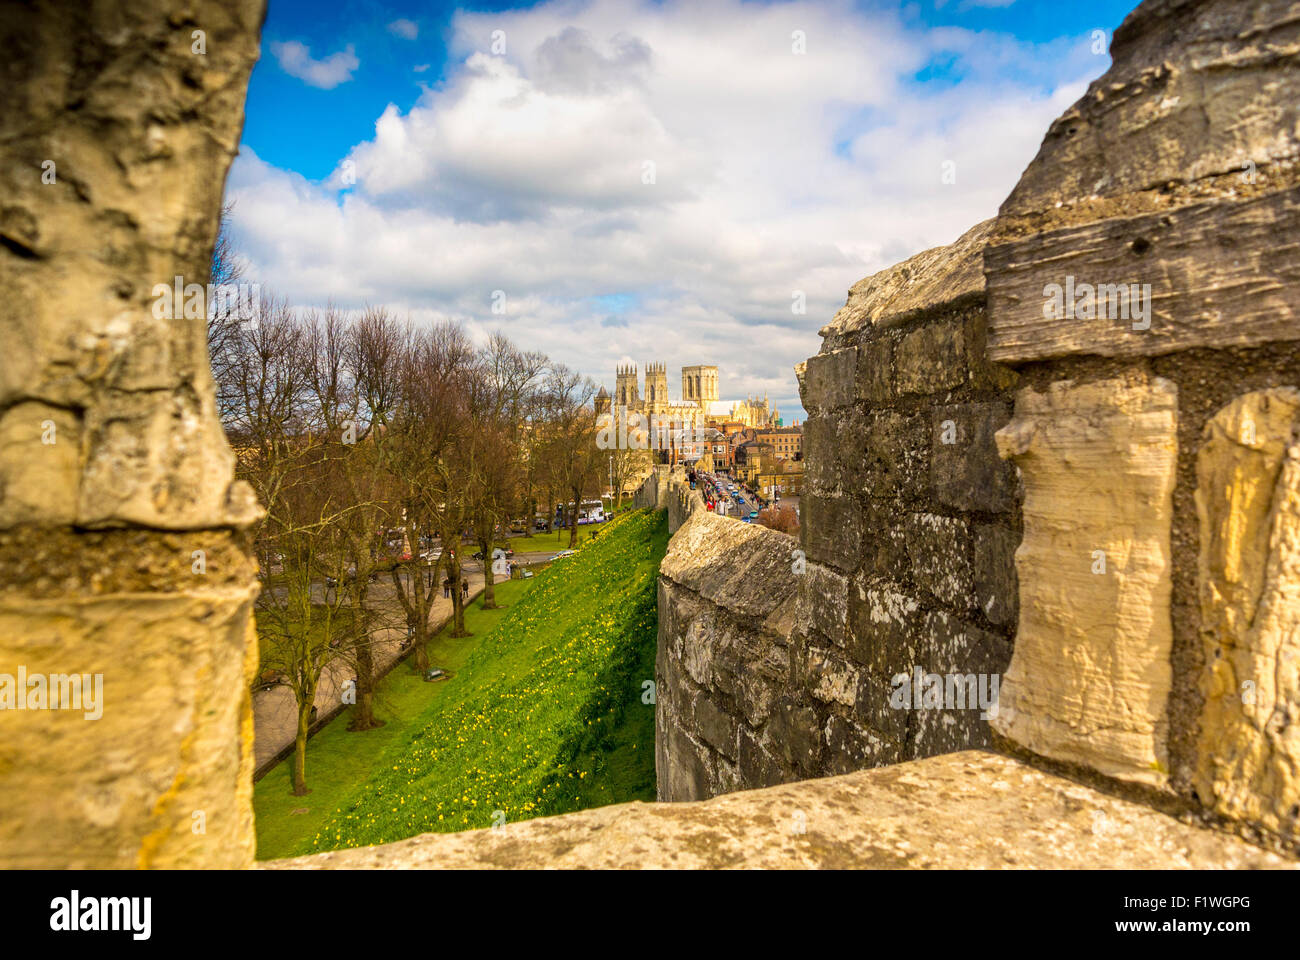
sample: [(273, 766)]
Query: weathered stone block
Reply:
[(876, 710), (896, 455), (884, 548), (831, 679), (830, 379), (40, 469), (1215, 274), (1248, 503), (995, 572), (138, 133), (1091, 673), (968, 810), (793, 737), (966, 472), (823, 602), (821, 453), (758, 767), (876, 370), (959, 647), (985, 374), (831, 529), (715, 727), (930, 359), (132, 804), (939, 550), (925, 282), (685, 773), (850, 747), (1195, 91), (887, 627), (744, 567)]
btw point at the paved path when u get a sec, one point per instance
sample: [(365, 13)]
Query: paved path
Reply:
[(275, 713)]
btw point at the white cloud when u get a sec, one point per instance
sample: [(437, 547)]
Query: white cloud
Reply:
[(406, 29), (327, 73), (774, 173)]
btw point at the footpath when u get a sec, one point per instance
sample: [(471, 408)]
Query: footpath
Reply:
[(275, 712)]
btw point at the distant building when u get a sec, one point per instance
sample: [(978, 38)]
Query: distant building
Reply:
[(699, 405), (788, 441), (784, 478), (748, 454)]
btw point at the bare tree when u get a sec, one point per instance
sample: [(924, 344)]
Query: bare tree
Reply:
[(573, 459), (424, 436), (781, 518), (503, 393)]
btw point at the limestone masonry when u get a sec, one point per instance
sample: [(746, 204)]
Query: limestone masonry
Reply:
[(1098, 506)]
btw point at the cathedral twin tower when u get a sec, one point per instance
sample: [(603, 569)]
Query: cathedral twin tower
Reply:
[(699, 387)]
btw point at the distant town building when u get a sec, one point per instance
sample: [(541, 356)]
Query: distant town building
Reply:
[(699, 405), (788, 441), (784, 478)]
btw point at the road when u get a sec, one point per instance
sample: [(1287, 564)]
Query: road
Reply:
[(275, 715), (733, 510)]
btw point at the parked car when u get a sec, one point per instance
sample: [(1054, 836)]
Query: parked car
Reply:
[(478, 554), (564, 553)]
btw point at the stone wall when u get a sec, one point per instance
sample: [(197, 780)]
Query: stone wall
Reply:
[(1098, 503), (121, 532), (1159, 573), (910, 524), (667, 488)]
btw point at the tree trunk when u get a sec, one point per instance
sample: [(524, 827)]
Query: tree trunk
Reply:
[(489, 588), (421, 625), (457, 600), (573, 522), (415, 607), (300, 788), (363, 717)]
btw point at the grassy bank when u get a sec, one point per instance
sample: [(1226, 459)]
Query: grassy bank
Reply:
[(338, 760), (546, 714)]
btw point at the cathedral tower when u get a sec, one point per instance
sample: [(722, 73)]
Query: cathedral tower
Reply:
[(700, 384), (626, 393), (656, 385)]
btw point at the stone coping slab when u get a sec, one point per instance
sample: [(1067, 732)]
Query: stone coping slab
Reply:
[(966, 810)]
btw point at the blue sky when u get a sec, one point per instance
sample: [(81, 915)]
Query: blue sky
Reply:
[(392, 154)]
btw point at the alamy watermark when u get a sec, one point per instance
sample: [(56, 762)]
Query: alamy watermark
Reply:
[(180, 300), (634, 431), (75, 913), (946, 691), (57, 691), (1102, 301)]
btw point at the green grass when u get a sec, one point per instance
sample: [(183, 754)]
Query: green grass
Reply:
[(338, 760), (559, 540), (546, 714)]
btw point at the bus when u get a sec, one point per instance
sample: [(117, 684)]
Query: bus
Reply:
[(589, 511)]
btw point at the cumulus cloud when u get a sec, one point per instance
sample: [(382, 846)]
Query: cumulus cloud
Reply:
[(773, 174), (296, 60), (406, 29)]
